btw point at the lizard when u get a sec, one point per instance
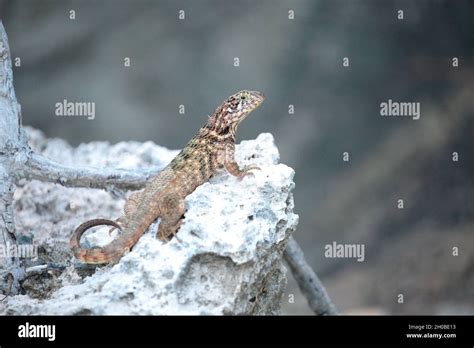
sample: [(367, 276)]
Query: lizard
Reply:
[(212, 149)]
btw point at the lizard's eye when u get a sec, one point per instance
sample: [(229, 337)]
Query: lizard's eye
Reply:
[(243, 97)]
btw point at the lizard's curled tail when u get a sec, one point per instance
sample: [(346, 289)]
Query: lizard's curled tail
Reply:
[(111, 252)]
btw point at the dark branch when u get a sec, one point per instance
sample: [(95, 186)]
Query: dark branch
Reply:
[(308, 281)]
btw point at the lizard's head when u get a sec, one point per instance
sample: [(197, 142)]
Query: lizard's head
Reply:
[(239, 105)]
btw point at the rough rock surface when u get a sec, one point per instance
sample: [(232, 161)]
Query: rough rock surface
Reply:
[(226, 259)]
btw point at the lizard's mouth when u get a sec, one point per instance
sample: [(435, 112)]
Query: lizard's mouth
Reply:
[(258, 97)]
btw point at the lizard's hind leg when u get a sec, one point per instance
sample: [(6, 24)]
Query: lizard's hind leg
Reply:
[(128, 210), (119, 222), (167, 233), (172, 213)]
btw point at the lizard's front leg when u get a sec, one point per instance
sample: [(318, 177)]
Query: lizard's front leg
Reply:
[(233, 168), (172, 211), (231, 165)]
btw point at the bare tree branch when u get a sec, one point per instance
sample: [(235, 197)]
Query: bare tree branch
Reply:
[(308, 281), (40, 168), (12, 141)]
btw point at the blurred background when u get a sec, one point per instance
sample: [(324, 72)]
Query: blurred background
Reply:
[(296, 61)]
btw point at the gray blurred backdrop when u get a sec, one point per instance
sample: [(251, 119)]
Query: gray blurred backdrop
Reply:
[(297, 62)]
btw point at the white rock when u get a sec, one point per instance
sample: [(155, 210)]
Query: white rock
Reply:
[(226, 258)]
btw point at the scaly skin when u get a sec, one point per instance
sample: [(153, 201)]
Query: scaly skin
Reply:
[(163, 197)]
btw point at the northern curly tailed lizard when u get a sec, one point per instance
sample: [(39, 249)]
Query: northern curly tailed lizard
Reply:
[(163, 196)]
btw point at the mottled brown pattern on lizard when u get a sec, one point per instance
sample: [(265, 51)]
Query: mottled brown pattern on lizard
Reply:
[(163, 197)]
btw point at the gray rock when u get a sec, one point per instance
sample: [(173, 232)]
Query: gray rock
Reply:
[(226, 258)]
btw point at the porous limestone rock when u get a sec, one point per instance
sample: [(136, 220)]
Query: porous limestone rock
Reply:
[(226, 259)]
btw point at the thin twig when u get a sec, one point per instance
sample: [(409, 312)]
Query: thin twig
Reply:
[(308, 281), (59, 267)]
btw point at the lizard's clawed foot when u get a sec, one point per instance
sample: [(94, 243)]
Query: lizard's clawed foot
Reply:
[(248, 171), (166, 233), (115, 228)]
